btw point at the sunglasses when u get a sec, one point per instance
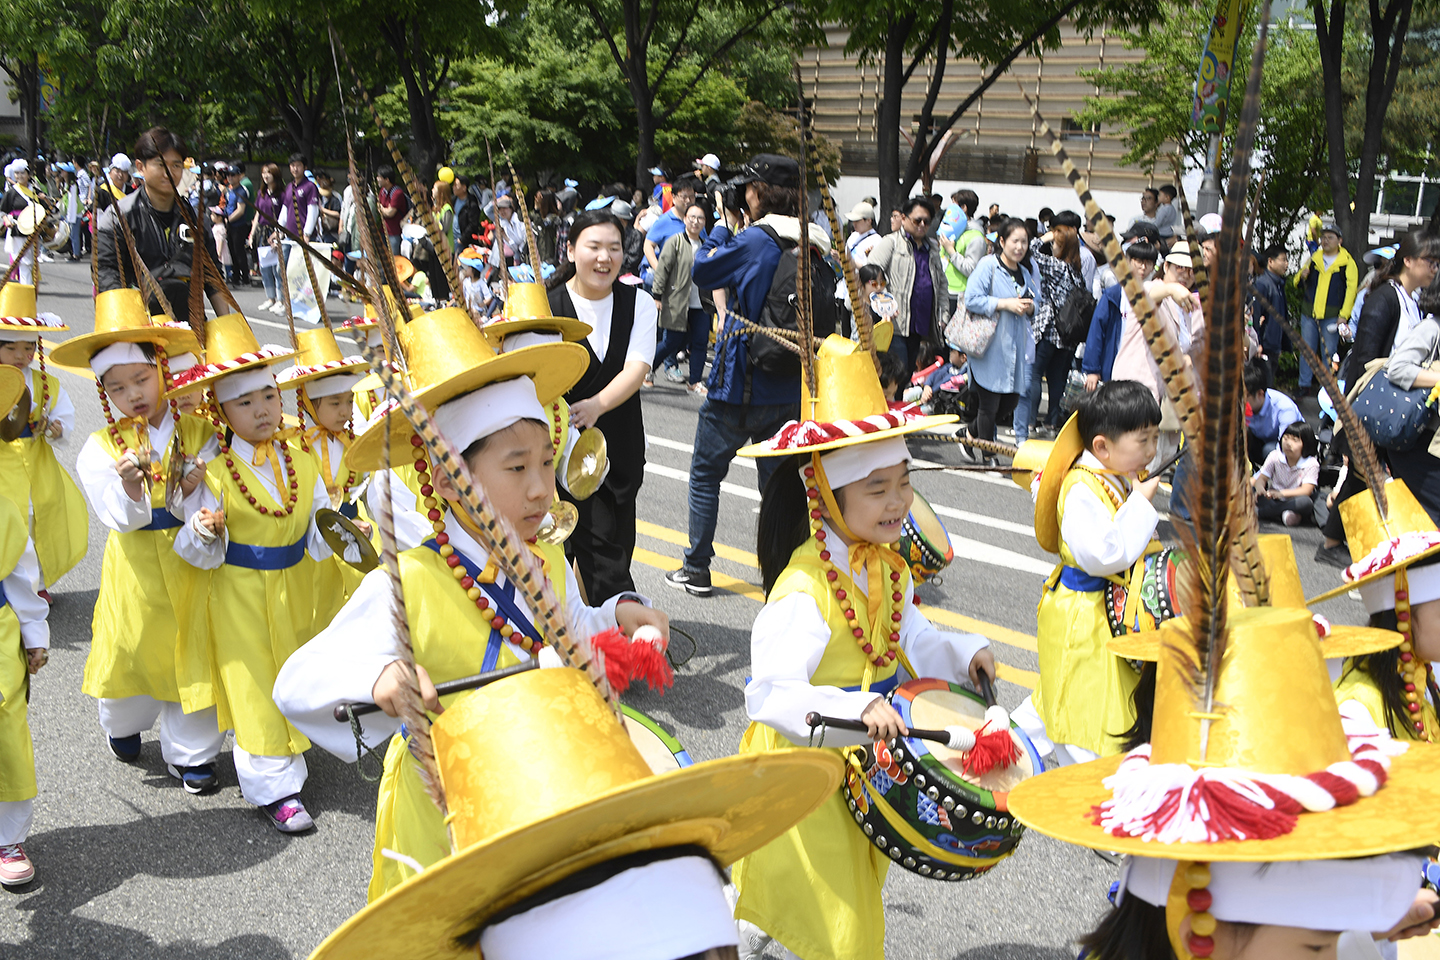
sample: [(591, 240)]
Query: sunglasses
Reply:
[(922, 221)]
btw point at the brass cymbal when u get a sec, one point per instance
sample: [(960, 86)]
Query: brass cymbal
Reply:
[(559, 522), (14, 424), (585, 462)]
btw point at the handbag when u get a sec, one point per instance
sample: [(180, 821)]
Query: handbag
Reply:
[(970, 332), (1393, 417)]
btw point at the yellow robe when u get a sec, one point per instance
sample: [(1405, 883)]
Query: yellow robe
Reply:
[(149, 632), (1084, 693), (60, 515), (450, 638), (1355, 683), (17, 750), (259, 617), (817, 888)]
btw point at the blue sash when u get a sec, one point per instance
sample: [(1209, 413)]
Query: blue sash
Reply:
[(881, 687), (162, 519), (4, 600), (1081, 582), (503, 599), (350, 510), (27, 433), (265, 558)]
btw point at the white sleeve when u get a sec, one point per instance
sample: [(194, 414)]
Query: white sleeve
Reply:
[(584, 622), (95, 471), (29, 608), (642, 332), (315, 543), (195, 547), (340, 665), (312, 217), (934, 652), (786, 643), (62, 411), (1100, 544), (411, 526)]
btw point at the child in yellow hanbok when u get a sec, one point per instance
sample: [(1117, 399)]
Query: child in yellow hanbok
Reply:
[(58, 518), (489, 406), (149, 650), (324, 382), (1091, 509), (839, 621), (262, 598), (24, 648)]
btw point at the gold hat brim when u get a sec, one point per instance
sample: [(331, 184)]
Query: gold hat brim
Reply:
[(572, 330), (730, 807), (208, 380), (1029, 459), (75, 353), (1372, 577), (555, 368), (1344, 641), (1065, 451), (351, 365), (921, 423), (1402, 814)]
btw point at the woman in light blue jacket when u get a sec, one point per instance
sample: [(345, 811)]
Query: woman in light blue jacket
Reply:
[(1004, 286)]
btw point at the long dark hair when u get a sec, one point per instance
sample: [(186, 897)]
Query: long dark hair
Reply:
[(1142, 698), (1003, 234), (1415, 244), (1383, 669), (1136, 930), (582, 222), (784, 520)]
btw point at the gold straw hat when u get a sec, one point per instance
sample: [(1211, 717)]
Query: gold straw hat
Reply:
[(319, 356), (1379, 547), (585, 796), (121, 317), (18, 309), (528, 309), (230, 346), (1061, 455)]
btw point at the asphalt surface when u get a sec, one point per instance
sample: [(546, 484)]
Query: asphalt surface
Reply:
[(129, 865)]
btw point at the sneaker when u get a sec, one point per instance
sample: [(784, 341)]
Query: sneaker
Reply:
[(277, 308), (15, 868), (694, 582), (673, 374), (126, 749), (265, 305), (1336, 556), (1291, 519), (699, 390), (289, 815), (199, 779)]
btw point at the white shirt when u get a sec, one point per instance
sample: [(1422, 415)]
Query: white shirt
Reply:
[(858, 245), (1282, 476), (96, 473), (343, 661), (412, 527), (209, 553), (29, 609), (597, 313), (789, 638), (1101, 544)]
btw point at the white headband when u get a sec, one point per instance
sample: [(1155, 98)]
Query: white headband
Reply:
[(115, 355), (333, 384), (488, 410), (234, 385), (19, 334), (663, 910), (1379, 595), (182, 361), (1369, 894), (856, 462), (528, 338)]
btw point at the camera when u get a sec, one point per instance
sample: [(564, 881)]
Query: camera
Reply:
[(732, 192)]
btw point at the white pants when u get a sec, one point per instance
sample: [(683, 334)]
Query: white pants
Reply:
[(26, 271), (15, 819), (263, 780), (1028, 719), (186, 739)]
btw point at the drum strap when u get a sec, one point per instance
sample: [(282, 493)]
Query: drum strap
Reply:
[(504, 599)]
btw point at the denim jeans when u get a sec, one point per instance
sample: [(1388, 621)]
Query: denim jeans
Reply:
[(1052, 364), (693, 340), (1310, 330), (722, 429), (1021, 421), (270, 277)]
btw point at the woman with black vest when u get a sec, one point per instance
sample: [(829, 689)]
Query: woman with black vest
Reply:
[(621, 345)]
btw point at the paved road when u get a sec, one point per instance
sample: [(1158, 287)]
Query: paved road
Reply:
[(132, 866)]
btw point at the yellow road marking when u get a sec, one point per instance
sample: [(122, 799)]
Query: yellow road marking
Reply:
[(994, 632)]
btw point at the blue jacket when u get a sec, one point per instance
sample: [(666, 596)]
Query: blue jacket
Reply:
[(745, 262), (1270, 328), (1103, 341), (1003, 368)]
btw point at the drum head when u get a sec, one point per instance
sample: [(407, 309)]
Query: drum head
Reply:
[(662, 752), (941, 707)]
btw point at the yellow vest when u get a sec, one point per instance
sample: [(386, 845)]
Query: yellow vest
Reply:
[(17, 752)]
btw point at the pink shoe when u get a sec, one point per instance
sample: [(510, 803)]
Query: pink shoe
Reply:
[(16, 870)]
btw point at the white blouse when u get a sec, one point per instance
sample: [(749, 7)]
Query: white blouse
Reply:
[(1101, 544)]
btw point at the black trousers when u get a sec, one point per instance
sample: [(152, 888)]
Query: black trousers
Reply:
[(236, 235), (993, 407), (602, 544)]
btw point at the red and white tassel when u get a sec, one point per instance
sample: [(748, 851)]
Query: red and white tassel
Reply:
[(641, 657)]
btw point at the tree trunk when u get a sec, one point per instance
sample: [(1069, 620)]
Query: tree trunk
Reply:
[(645, 135), (1330, 38), (1388, 42), (892, 194), (30, 74)]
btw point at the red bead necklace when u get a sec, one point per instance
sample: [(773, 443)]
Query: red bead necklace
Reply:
[(1413, 671), (887, 651), (294, 492), (467, 583), (557, 432)]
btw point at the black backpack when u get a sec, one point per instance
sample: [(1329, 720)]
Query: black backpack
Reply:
[(1072, 322), (779, 311)]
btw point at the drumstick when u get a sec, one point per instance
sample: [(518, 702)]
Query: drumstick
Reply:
[(343, 712), (956, 738), (1147, 474)]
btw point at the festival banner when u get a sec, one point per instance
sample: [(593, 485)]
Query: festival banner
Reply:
[(1212, 80)]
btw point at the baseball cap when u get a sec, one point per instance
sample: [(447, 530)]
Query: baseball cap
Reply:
[(1212, 223), (1180, 260), (504, 200), (622, 209), (121, 162), (861, 211), (1381, 254), (772, 168), (709, 160), (1332, 228)]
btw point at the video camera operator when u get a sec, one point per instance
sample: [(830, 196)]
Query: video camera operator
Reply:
[(747, 402), (164, 237)]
